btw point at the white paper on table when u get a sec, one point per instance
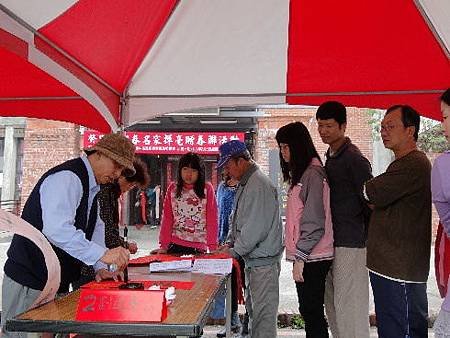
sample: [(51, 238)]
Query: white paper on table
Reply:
[(181, 265), (220, 266)]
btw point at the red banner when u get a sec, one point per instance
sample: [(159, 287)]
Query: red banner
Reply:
[(174, 143), (114, 305)]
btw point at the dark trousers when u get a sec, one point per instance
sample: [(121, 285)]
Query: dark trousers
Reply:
[(175, 249), (151, 214), (401, 308), (311, 298)]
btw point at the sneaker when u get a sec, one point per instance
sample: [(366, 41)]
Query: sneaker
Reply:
[(222, 332), (235, 325)]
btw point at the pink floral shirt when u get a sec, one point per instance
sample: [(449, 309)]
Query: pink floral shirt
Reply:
[(188, 220)]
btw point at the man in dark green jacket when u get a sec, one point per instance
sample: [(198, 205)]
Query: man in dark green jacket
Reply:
[(399, 240)]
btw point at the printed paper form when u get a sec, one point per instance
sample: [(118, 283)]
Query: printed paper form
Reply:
[(213, 266), (181, 265)]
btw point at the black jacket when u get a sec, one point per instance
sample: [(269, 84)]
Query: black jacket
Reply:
[(347, 171), (25, 264)]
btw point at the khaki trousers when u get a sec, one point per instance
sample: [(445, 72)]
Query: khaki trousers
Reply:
[(16, 299), (262, 299), (347, 294)]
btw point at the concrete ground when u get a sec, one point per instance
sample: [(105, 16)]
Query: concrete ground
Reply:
[(211, 331), (147, 239)]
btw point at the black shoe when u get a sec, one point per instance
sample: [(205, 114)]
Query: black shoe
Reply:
[(244, 328), (235, 325)]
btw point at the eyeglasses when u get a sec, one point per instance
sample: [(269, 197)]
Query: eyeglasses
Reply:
[(387, 128)]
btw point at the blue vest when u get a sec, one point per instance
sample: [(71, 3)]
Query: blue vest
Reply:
[(25, 263)]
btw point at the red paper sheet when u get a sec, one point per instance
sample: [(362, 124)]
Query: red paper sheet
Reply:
[(114, 305), (180, 285), (145, 260)]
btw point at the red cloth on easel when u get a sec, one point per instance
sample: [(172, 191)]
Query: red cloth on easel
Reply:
[(442, 260), (143, 204)]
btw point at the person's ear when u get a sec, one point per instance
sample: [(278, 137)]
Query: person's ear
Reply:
[(411, 131)]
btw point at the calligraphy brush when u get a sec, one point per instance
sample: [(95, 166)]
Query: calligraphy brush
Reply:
[(125, 244)]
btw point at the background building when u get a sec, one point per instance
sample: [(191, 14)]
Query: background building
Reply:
[(29, 147)]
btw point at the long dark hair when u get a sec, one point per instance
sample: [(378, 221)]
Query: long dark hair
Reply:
[(192, 160), (301, 148), (141, 177)]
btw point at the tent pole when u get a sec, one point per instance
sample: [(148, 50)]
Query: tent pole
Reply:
[(432, 28), (355, 93), (122, 107)]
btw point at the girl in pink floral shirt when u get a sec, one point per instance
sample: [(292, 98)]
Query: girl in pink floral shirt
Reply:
[(189, 219)]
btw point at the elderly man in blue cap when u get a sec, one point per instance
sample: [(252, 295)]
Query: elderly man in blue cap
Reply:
[(256, 236)]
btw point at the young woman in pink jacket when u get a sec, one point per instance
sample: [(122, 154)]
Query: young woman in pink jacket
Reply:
[(309, 230), (189, 219)]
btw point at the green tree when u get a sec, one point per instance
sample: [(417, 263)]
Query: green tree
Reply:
[(431, 138), (375, 117)]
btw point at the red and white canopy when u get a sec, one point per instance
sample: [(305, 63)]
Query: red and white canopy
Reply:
[(108, 63)]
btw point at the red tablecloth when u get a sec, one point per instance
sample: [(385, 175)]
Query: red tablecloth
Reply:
[(182, 285)]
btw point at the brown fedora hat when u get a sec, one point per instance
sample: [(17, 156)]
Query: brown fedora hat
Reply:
[(118, 148)]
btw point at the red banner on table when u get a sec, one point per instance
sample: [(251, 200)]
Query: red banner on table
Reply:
[(108, 305), (155, 258), (163, 284), (173, 143)]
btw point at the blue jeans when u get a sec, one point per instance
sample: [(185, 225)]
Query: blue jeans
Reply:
[(401, 308)]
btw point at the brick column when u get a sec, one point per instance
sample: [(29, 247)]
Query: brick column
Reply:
[(46, 144), (358, 130)]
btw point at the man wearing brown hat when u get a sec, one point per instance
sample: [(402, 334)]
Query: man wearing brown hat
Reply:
[(63, 206)]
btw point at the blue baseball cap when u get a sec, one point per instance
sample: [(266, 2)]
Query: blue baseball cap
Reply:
[(228, 150)]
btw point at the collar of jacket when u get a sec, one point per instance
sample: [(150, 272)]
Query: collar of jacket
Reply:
[(340, 150), (244, 179)]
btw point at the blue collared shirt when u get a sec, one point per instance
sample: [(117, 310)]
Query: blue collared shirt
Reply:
[(58, 216)]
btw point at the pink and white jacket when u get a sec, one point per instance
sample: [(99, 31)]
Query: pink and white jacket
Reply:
[(309, 228), (188, 220)]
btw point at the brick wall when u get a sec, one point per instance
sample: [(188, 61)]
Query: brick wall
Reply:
[(358, 130), (46, 144)]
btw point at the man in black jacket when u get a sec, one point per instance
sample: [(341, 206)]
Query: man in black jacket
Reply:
[(347, 286)]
